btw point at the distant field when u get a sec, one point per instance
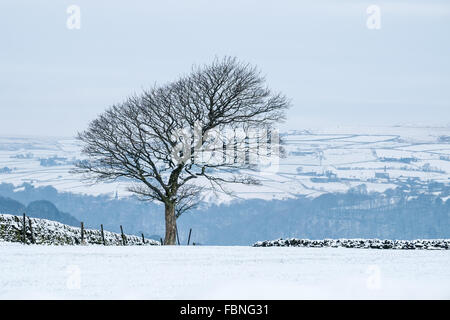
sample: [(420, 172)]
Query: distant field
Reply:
[(317, 161)]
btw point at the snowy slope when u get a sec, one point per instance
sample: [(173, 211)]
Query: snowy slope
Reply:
[(179, 272), (318, 161)]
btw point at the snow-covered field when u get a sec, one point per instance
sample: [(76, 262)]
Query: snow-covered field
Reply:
[(97, 272), (318, 161)]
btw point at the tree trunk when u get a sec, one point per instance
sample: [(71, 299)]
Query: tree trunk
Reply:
[(171, 224)]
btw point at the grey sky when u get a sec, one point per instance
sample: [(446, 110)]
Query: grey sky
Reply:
[(53, 80)]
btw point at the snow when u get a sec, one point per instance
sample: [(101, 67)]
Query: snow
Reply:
[(196, 272)]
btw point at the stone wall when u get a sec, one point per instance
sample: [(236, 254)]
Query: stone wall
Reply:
[(55, 233), (429, 244)]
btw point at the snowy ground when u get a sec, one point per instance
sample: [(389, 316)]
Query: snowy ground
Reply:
[(97, 272)]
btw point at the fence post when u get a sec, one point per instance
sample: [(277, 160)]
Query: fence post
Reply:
[(143, 239), (123, 236), (189, 238), (24, 229), (82, 232), (178, 238), (162, 243), (33, 239), (103, 235)]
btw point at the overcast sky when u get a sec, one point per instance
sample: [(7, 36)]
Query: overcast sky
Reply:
[(320, 53)]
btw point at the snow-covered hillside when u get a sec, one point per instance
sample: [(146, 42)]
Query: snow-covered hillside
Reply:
[(318, 161), (196, 272)]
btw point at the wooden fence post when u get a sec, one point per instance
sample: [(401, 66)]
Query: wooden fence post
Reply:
[(178, 238), (24, 229), (82, 232), (103, 235), (33, 239), (124, 240), (189, 238)]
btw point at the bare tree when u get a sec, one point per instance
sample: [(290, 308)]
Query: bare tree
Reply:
[(172, 136)]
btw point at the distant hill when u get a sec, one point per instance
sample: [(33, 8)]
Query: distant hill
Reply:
[(46, 210), (394, 214), (10, 206), (37, 209)]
